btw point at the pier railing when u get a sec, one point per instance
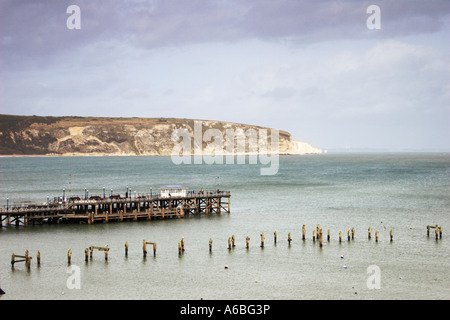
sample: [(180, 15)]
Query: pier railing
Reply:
[(62, 203)]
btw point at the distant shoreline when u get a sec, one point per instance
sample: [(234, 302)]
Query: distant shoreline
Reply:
[(246, 154)]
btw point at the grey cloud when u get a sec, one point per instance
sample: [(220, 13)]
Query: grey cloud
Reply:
[(31, 29)]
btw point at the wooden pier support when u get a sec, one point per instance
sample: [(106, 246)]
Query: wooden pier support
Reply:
[(25, 258), (126, 248), (392, 235), (144, 248), (328, 235), (262, 240), (376, 236), (182, 244), (229, 243), (179, 248), (247, 241), (320, 237), (353, 233), (348, 235), (275, 237), (340, 236), (304, 233), (69, 256), (314, 235), (233, 241), (38, 258), (289, 238), (437, 230), (369, 233), (210, 244), (104, 249), (86, 254)]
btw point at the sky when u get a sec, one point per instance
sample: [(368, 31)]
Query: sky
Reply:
[(312, 68)]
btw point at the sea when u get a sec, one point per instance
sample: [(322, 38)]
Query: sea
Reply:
[(402, 192)]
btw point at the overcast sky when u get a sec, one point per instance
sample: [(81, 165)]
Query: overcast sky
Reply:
[(312, 68)]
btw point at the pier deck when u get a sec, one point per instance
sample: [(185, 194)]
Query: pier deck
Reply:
[(117, 208)]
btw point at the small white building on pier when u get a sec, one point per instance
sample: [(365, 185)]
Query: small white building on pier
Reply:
[(173, 191)]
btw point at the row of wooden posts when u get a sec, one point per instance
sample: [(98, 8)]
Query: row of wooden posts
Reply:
[(317, 234)]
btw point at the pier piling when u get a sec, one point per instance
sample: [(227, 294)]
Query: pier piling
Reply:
[(320, 238), (105, 249), (25, 258), (144, 247)]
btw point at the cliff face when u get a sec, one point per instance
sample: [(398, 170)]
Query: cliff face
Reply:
[(32, 135)]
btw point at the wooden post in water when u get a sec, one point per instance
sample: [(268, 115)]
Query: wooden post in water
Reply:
[(289, 238), (262, 240), (144, 248), (126, 248), (328, 235), (428, 231), (303, 232), (392, 235), (376, 236), (353, 233), (320, 237), (69, 256), (275, 237), (247, 240), (369, 233), (436, 231), (179, 247), (86, 255), (233, 239), (348, 235), (27, 260), (210, 245), (340, 236), (38, 258), (182, 244), (229, 243), (440, 232)]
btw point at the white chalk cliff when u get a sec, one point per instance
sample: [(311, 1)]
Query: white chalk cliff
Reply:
[(32, 135)]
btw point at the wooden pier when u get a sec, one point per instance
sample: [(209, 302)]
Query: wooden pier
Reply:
[(117, 208)]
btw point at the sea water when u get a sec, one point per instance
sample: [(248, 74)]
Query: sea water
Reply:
[(399, 192)]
